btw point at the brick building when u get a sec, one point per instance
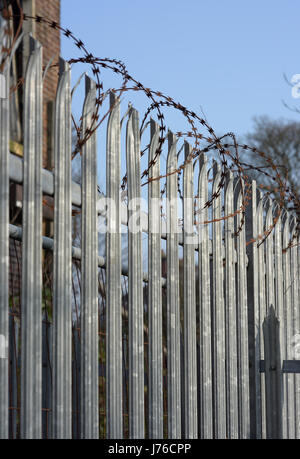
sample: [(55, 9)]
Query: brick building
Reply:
[(50, 40)]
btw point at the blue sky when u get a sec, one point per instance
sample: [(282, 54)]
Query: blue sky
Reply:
[(226, 57)]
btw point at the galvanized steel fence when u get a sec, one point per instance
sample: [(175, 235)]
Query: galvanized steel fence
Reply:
[(106, 350)]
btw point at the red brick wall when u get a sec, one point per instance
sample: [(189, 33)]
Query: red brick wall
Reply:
[(50, 39)]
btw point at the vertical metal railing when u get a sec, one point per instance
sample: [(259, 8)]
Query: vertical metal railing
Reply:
[(218, 314), (289, 378), (272, 375), (89, 275), (62, 262), (279, 304), (261, 288), (269, 246), (4, 237), (205, 357), (31, 319), (242, 320), (230, 315), (295, 330), (254, 336), (135, 281), (173, 299), (155, 293), (297, 354), (190, 350), (113, 275)]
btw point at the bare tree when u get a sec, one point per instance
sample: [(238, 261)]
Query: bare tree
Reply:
[(280, 141)]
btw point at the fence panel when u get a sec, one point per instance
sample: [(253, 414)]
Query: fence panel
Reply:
[(173, 305), (113, 276), (31, 337), (76, 382), (242, 320), (4, 239), (218, 311), (295, 320), (289, 378), (89, 287), (190, 349), (47, 340), (135, 280), (272, 375), (262, 303), (280, 311), (13, 361), (62, 262), (230, 315), (269, 246), (254, 319), (205, 356), (297, 335), (155, 294)]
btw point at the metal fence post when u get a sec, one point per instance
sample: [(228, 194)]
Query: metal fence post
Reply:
[(280, 309), (113, 276), (242, 322), (190, 349), (62, 262), (173, 300), (254, 334), (289, 379), (295, 328), (135, 280), (260, 418), (4, 240), (89, 275), (31, 321), (218, 314), (230, 315), (273, 375), (155, 294), (205, 355)]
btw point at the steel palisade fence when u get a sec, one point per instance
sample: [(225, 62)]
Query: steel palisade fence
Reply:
[(204, 380)]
